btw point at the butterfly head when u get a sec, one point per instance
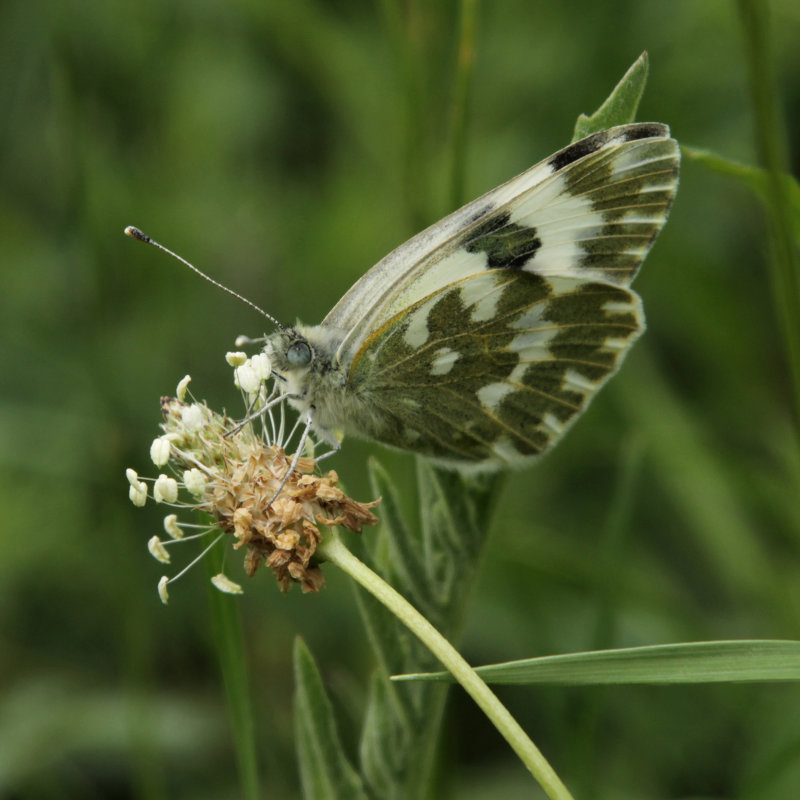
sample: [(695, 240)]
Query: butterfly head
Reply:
[(291, 354), (301, 356)]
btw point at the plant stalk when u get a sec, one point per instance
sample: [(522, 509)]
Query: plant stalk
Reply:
[(333, 549)]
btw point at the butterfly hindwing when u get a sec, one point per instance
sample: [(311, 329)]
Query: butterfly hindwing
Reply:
[(481, 339), (525, 357)]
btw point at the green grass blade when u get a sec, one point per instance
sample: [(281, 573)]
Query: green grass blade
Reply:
[(772, 145), (620, 106), (226, 629), (755, 178), (462, 90), (325, 772), (697, 478), (689, 662)]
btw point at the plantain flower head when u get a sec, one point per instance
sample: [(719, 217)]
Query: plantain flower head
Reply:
[(270, 502)]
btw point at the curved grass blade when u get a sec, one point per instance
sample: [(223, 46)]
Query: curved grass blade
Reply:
[(686, 662), (228, 640)]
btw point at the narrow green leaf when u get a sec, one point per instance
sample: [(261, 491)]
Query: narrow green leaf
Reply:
[(384, 738), (773, 148), (755, 178), (226, 630), (687, 662), (462, 90), (467, 502), (620, 106), (325, 772), (404, 560)]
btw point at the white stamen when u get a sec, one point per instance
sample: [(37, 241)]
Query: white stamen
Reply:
[(171, 526), (262, 365), (225, 584), (236, 359), (180, 392), (159, 451), (192, 563), (246, 379), (192, 418), (138, 494), (195, 482), (162, 589), (138, 489), (157, 550), (165, 489)]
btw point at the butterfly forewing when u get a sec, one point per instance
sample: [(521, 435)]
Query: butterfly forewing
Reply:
[(480, 340), (591, 210), (501, 385)]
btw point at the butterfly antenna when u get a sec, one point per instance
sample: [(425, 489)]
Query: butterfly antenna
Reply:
[(135, 233)]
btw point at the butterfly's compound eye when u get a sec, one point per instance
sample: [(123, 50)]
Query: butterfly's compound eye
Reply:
[(299, 354)]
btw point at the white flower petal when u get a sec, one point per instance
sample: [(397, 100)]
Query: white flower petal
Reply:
[(165, 489), (225, 584), (157, 550)]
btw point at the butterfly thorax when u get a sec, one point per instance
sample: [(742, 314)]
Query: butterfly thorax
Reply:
[(315, 380)]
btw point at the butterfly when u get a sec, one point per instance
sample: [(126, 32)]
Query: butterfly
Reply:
[(480, 341)]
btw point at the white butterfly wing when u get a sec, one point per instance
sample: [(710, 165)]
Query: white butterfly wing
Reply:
[(590, 211)]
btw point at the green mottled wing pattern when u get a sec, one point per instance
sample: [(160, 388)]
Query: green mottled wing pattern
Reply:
[(592, 209), (480, 340), (501, 385)]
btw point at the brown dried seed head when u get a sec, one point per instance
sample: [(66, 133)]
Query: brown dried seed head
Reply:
[(281, 532)]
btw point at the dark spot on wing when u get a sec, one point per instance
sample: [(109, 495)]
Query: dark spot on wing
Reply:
[(488, 226), (618, 246), (507, 245), (578, 150), (591, 144), (645, 130)]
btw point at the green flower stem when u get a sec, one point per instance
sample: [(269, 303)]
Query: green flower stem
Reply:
[(334, 550), (771, 140), (467, 25)]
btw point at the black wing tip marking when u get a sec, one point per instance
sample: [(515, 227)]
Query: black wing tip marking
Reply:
[(645, 130), (594, 142)]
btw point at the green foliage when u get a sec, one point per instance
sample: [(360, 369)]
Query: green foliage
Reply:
[(433, 565), (691, 662), (269, 142), (620, 106), (755, 178), (226, 629), (324, 768)]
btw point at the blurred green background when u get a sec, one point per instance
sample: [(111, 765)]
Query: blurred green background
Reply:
[(273, 144)]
